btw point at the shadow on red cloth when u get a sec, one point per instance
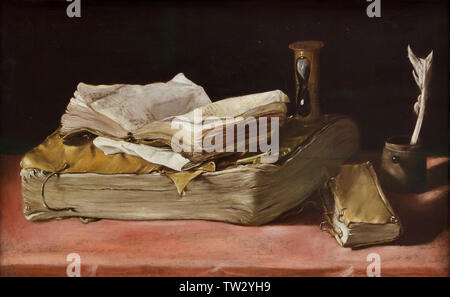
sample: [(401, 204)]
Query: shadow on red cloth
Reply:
[(424, 215)]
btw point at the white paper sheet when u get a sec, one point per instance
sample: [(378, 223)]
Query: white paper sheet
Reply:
[(155, 155), (132, 106)]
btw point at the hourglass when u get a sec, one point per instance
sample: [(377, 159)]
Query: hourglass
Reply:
[(307, 70)]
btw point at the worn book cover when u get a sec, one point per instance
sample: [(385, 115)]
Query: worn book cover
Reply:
[(356, 209)]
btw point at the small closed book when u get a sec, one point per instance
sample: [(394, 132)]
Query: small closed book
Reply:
[(356, 210)]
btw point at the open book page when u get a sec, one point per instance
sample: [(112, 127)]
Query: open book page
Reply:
[(234, 109), (239, 106), (198, 135), (129, 107), (81, 117)]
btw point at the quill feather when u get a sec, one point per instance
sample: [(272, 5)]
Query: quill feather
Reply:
[(422, 76)]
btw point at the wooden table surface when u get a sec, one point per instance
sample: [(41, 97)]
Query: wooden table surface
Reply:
[(292, 246)]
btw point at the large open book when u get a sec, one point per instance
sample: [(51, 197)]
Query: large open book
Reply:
[(177, 114)]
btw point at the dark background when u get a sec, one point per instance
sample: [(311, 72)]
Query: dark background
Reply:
[(229, 48)]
